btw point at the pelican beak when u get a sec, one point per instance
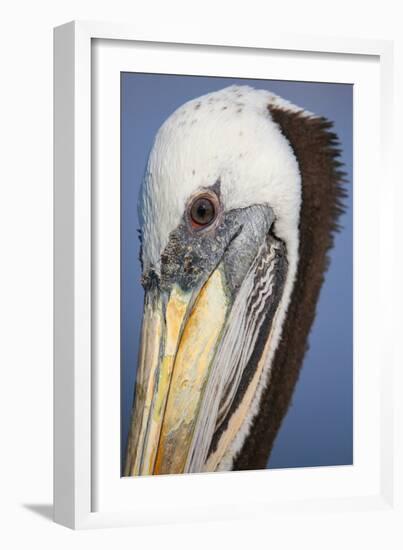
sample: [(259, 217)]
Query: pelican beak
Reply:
[(198, 370), (180, 334)]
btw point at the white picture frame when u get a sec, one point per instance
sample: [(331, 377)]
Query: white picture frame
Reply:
[(88, 489)]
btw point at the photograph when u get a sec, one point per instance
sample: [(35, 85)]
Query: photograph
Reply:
[(236, 274), (202, 276)]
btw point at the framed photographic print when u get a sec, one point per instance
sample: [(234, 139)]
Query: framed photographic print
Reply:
[(221, 338)]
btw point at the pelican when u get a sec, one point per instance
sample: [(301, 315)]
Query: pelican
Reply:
[(238, 208)]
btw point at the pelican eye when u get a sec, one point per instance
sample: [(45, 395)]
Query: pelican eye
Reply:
[(203, 211)]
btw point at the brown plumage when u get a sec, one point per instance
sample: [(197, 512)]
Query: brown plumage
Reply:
[(316, 149)]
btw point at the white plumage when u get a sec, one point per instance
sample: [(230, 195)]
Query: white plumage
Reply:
[(227, 135)]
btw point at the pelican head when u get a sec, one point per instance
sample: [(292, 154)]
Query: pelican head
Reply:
[(238, 206)]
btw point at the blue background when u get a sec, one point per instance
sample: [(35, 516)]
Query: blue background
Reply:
[(318, 429)]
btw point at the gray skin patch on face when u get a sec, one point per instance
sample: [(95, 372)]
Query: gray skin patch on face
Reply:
[(192, 255)]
